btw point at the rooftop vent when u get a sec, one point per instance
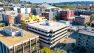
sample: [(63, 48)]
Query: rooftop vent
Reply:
[(46, 23), (9, 31)]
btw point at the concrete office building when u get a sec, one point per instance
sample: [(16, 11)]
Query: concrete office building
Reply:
[(13, 41), (50, 33)]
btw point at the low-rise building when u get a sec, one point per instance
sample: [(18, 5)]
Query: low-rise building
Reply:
[(67, 15), (28, 18), (48, 15), (50, 33), (49, 11), (82, 19), (85, 38), (9, 17), (83, 12), (36, 11), (22, 10), (18, 43)]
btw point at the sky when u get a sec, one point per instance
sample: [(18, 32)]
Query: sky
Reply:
[(53, 1)]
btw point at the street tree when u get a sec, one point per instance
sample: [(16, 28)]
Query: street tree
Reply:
[(92, 17)]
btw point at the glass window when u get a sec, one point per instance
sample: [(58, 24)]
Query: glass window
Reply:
[(47, 10), (18, 49)]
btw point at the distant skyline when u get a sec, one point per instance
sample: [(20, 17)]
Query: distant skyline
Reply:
[(53, 1)]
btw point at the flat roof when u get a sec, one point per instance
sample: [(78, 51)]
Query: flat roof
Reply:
[(11, 29), (10, 41), (86, 32), (53, 26)]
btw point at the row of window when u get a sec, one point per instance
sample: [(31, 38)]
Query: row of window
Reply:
[(86, 36), (47, 32), (19, 48), (53, 39), (3, 48), (50, 38)]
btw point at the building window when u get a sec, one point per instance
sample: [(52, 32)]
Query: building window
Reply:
[(86, 44), (79, 38), (78, 44), (88, 37), (79, 35)]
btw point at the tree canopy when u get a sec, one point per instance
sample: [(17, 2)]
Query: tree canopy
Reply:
[(92, 17), (48, 50)]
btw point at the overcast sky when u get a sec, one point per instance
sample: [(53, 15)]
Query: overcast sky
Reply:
[(53, 1)]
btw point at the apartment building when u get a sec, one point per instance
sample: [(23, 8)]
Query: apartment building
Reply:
[(15, 40), (50, 33)]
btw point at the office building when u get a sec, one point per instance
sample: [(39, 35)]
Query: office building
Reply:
[(48, 15), (85, 38), (1, 19), (82, 19), (50, 33), (49, 11), (13, 41), (36, 11), (9, 16), (79, 12), (12, 1), (22, 10), (67, 15)]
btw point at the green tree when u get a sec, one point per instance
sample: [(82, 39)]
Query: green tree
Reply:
[(1, 0), (46, 50), (58, 50), (54, 18), (2, 25), (92, 17), (88, 23), (6, 7)]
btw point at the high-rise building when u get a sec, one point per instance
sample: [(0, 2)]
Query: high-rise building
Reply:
[(14, 40)]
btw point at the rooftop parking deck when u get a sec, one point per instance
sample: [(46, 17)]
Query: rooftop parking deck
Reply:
[(54, 26)]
